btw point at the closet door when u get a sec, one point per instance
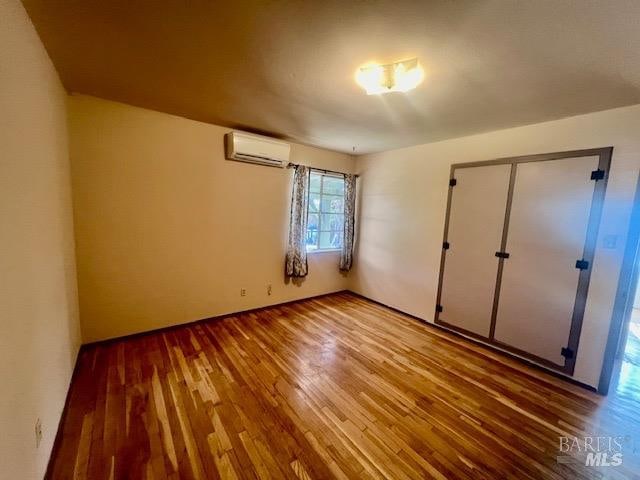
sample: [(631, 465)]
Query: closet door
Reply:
[(546, 236), (474, 233)]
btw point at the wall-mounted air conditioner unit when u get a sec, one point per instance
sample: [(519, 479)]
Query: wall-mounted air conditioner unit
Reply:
[(247, 147)]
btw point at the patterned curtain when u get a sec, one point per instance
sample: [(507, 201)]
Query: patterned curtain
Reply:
[(346, 255), (296, 259)]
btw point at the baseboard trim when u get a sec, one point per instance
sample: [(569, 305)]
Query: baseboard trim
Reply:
[(484, 346), (203, 320), (57, 441)]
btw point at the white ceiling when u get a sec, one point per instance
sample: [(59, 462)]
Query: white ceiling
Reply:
[(286, 68)]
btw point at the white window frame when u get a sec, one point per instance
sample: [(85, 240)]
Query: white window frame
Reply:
[(320, 213)]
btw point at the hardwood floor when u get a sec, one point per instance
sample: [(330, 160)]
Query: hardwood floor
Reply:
[(333, 387)]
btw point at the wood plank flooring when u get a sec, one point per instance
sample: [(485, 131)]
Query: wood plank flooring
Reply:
[(333, 387)]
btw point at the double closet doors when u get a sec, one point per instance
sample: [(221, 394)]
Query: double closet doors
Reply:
[(519, 241)]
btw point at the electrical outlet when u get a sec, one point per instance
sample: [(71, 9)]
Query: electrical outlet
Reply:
[(243, 292), (38, 432), (269, 289)]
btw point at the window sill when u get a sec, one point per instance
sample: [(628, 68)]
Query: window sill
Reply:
[(326, 250)]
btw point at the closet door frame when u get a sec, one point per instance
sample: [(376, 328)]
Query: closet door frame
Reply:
[(591, 238)]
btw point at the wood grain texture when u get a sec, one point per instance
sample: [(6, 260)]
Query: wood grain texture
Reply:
[(332, 387)]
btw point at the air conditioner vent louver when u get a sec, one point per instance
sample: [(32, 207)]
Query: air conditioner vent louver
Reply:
[(250, 148)]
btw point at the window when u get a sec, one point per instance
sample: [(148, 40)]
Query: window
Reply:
[(325, 219)]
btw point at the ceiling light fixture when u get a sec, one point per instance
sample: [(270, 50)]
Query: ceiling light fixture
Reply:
[(393, 77)]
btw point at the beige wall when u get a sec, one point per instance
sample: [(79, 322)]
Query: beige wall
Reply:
[(168, 231), (402, 208), (39, 330)]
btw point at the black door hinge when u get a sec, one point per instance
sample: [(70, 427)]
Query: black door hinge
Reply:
[(502, 255), (582, 264), (597, 175), (566, 353), (452, 182), (445, 245), (438, 308)]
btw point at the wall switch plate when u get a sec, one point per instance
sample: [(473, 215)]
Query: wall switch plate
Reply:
[(268, 289), (609, 241), (243, 292)]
